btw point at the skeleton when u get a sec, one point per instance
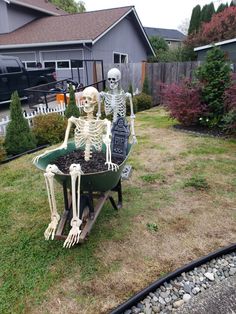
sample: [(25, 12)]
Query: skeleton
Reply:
[(115, 100), (91, 133)]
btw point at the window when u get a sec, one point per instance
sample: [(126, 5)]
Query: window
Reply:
[(31, 64), (49, 64), (63, 64), (76, 64), (12, 66), (120, 57)]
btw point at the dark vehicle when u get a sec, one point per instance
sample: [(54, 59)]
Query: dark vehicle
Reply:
[(14, 76)]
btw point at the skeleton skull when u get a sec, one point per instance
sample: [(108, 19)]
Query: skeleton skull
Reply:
[(113, 77), (90, 98)]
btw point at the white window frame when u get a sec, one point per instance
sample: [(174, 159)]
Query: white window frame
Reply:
[(120, 54), (26, 65), (56, 64)]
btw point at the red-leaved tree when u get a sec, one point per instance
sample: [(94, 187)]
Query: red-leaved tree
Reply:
[(183, 101), (222, 26)]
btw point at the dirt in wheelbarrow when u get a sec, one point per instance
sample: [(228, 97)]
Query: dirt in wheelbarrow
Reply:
[(95, 164)]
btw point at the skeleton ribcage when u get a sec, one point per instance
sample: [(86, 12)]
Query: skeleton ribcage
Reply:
[(115, 104), (89, 133)]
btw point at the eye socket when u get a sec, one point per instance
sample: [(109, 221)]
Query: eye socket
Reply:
[(111, 79)]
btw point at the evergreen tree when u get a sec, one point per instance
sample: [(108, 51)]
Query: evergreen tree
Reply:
[(72, 109), (19, 137), (70, 6), (232, 4), (211, 11), (195, 20), (221, 8), (214, 74), (204, 13)]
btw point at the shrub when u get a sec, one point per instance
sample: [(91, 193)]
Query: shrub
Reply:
[(49, 129), (3, 153), (146, 87), (229, 122), (72, 109), (142, 102), (214, 74), (184, 102), (19, 137), (229, 118)]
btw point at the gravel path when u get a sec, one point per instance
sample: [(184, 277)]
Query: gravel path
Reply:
[(205, 283)]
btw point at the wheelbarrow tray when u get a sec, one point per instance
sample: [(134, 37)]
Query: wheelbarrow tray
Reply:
[(99, 181)]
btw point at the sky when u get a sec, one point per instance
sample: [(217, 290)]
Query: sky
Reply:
[(155, 13)]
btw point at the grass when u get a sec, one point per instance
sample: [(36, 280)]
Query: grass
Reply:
[(181, 195)]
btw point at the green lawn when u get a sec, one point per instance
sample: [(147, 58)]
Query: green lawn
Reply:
[(178, 205)]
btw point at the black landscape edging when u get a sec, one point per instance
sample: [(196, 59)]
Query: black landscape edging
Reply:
[(143, 293), (22, 154)]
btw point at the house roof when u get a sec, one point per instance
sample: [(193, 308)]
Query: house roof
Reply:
[(167, 34), (220, 43), (39, 5), (87, 27)]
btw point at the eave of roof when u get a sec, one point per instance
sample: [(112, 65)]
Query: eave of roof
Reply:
[(220, 43), (30, 6)]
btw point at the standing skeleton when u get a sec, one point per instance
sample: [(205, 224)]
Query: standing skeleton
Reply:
[(115, 100), (91, 133)]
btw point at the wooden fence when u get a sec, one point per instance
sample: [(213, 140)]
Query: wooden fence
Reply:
[(41, 110), (157, 74), (167, 73)]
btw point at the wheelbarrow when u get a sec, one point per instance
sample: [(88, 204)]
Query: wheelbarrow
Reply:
[(95, 189)]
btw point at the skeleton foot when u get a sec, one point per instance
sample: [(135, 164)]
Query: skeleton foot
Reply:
[(51, 229), (73, 236)]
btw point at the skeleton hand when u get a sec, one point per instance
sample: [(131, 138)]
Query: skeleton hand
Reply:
[(73, 236), (63, 146), (134, 140), (51, 229), (112, 166), (36, 159)]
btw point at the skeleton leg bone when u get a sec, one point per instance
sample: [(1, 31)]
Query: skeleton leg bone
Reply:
[(73, 236), (55, 217)]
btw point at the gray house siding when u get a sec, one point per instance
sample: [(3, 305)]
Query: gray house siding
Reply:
[(13, 16), (4, 26), (229, 49), (123, 38)]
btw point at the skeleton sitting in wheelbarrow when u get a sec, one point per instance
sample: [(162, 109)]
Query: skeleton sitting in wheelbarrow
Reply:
[(90, 133)]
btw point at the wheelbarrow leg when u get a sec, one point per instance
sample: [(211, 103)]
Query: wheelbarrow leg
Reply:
[(119, 191), (90, 204)]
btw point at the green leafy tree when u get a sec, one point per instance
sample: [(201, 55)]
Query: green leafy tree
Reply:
[(19, 137), (70, 6), (195, 20), (158, 44), (72, 109), (214, 75)]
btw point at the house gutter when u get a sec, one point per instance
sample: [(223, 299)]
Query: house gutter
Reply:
[(228, 41), (55, 43)]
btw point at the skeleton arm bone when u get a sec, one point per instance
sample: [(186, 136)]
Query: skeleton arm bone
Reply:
[(132, 117), (64, 144)]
